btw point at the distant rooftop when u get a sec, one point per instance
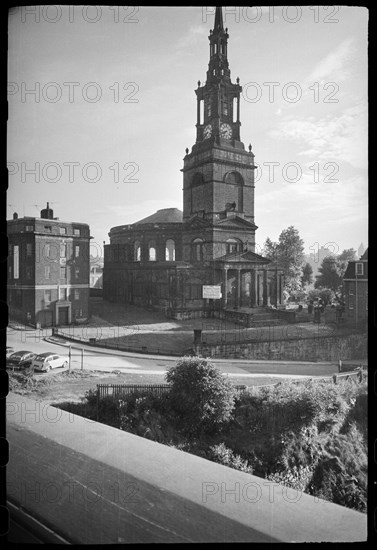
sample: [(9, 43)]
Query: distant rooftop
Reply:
[(165, 215)]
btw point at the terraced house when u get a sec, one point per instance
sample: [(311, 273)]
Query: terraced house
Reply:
[(48, 270), (187, 263)]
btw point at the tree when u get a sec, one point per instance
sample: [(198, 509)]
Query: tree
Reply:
[(288, 252), (201, 397), (307, 275), (348, 255), (329, 276), (332, 270)]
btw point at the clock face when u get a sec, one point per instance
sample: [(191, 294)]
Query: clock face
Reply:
[(207, 132), (225, 131)]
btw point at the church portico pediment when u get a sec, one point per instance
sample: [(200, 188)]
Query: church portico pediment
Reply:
[(235, 222)]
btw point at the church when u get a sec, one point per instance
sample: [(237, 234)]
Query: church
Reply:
[(200, 261)]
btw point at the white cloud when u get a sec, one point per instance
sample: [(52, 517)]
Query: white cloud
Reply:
[(340, 138), (336, 65)]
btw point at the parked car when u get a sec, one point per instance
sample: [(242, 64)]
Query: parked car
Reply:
[(44, 362), (10, 350), (20, 359)]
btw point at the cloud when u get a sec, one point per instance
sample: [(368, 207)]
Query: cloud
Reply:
[(340, 138), (336, 66)]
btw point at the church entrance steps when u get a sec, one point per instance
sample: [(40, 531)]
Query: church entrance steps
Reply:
[(255, 317)]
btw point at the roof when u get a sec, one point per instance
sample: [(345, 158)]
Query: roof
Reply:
[(165, 215), (247, 256), (350, 272), (364, 256)]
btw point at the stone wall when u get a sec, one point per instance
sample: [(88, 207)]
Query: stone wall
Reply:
[(324, 348)]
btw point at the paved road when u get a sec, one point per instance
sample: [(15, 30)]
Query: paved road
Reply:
[(105, 360)]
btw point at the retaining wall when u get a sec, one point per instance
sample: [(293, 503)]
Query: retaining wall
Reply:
[(324, 348)]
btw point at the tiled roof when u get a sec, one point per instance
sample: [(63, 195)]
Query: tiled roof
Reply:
[(365, 255), (165, 215)]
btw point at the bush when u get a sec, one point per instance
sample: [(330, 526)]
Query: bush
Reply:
[(341, 474), (222, 455), (201, 397)]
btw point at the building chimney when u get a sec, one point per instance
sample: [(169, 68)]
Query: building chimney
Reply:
[(47, 213), (15, 216)]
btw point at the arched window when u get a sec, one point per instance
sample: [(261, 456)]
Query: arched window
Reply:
[(137, 251), (197, 250), (152, 251), (170, 250), (234, 177), (233, 245)]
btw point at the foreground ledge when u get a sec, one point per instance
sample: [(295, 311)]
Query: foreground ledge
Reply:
[(94, 484)]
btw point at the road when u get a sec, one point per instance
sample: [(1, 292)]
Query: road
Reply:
[(105, 360)]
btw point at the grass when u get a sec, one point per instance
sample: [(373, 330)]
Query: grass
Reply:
[(72, 385)]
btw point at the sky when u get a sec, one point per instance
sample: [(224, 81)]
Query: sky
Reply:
[(102, 108)]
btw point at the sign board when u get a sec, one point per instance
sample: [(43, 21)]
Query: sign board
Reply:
[(212, 292)]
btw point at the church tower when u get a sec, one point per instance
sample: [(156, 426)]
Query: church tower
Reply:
[(218, 174)]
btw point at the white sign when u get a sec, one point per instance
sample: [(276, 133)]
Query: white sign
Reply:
[(212, 292)]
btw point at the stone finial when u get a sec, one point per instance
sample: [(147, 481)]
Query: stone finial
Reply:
[(250, 147), (187, 150), (238, 79), (198, 83)]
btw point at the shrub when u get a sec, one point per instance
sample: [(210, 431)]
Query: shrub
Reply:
[(222, 455), (201, 397), (341, 474)]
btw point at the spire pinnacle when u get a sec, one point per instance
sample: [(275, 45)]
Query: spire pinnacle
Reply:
[(218, 20)]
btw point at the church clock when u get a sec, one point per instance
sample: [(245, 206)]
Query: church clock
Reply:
[(207, 132), (225, 131)]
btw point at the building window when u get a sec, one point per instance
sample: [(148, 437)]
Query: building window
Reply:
[(62, 293), (46, 251), (233, 245), (48, 228), (10, 272), (137, 251), (152, 251), (225, 106), (47, 296), (63, 272), (29, 228), (170, 251), (28, 272), (76, 294), (62, 230), (77, 251), (359, 269), (77, 272), (47, 271), (29, 249), (197, 250), (234, 178), (16, 261), (63, 250), (77, 232)]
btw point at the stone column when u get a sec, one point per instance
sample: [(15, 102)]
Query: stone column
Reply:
[(252, 288), (225, 279), (265, 287), (238, 295)]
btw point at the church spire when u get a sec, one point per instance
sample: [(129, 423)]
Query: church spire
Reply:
[(218, 20), (218, 66)]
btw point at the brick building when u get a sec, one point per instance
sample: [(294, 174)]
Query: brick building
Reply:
[(48, 270), (175, 261), (356, 290)]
